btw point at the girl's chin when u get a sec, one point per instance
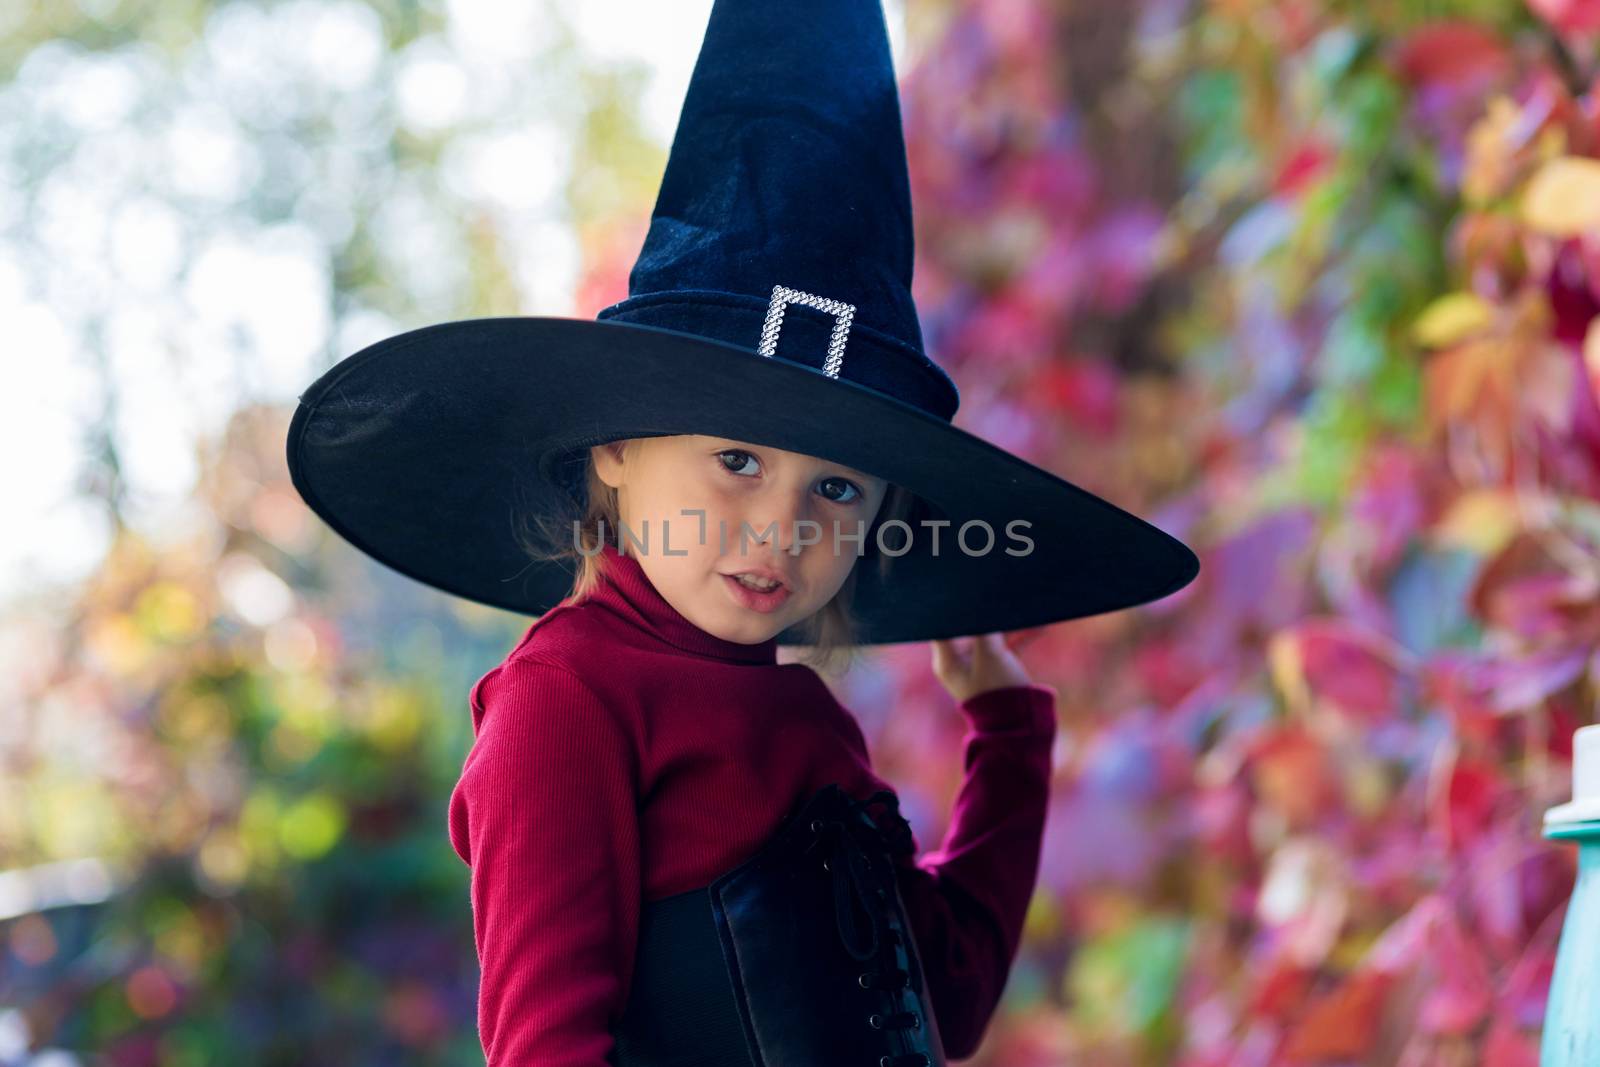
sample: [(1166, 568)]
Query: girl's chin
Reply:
[(750, 633)]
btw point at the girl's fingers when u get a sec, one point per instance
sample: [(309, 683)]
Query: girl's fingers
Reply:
[(959, 655), (982, 654), (948, 657)]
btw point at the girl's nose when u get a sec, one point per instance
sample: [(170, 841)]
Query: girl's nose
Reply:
[(778, 527)]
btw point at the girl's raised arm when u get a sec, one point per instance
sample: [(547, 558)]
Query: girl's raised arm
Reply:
[(966, 901), (545, 814)]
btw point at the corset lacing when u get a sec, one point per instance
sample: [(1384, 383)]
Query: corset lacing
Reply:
[(856, 889)]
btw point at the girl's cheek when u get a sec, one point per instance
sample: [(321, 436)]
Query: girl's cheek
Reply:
[(717, 504)]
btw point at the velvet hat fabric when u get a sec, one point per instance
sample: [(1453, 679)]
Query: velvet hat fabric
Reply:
[(771, 304)]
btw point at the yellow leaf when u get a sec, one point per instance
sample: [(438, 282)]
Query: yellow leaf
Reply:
[(1591, 350), (1481, 520), (1288, 670), (1563, 197), (1450, 318)]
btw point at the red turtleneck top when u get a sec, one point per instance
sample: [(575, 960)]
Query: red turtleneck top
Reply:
[(622, 754)]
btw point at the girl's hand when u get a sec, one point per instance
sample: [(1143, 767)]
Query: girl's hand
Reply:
[(979, 664)]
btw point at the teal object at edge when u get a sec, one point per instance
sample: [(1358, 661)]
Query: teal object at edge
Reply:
[(1572, 1013)]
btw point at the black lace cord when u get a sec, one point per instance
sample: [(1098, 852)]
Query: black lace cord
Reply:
[(852, 888), (900, 842), (851, 870), (852, 885)]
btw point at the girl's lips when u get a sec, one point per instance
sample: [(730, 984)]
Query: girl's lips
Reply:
[(754, 599)]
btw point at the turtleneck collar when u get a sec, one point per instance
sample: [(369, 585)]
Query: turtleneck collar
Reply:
[(626, 589)]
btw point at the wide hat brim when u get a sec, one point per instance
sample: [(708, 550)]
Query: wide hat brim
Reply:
[(422, 451)]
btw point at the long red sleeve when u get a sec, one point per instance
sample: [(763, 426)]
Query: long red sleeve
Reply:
[(966, 901), (622, 755), (545, 813)]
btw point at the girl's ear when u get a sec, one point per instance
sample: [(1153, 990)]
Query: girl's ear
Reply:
[(607, 459)]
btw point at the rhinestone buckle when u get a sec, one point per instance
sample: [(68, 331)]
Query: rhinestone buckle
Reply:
[(782, 297)]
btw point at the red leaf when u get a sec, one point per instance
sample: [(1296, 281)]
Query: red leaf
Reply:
[(1279, 991), (1571, 293), (1289, 770), (1301, 167), (1464, 805), (1452, 50), (1086, 390), (1343, 1024)]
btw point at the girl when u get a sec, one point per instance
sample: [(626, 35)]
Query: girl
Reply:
[(679, 852), (642, 739)]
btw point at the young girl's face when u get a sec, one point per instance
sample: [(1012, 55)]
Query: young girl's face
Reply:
[(664, 481)]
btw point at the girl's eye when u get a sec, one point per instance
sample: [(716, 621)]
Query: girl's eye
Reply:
[(849, 487), (735, 468), (848, 491)]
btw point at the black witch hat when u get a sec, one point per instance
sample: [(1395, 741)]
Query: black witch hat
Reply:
[(771, 304)]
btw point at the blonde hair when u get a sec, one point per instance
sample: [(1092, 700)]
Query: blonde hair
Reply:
[(829, 635)]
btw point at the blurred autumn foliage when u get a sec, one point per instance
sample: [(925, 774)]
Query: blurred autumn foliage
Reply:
[(1311, 285)]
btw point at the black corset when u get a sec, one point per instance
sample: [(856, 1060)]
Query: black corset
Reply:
[(799, 957)]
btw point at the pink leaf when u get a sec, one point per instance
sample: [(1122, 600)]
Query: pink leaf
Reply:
[(1462, 991), (1569, 16), (1510, 1046), (1348, 665)]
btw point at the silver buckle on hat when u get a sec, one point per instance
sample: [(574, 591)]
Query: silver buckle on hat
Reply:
[(782, 296)]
